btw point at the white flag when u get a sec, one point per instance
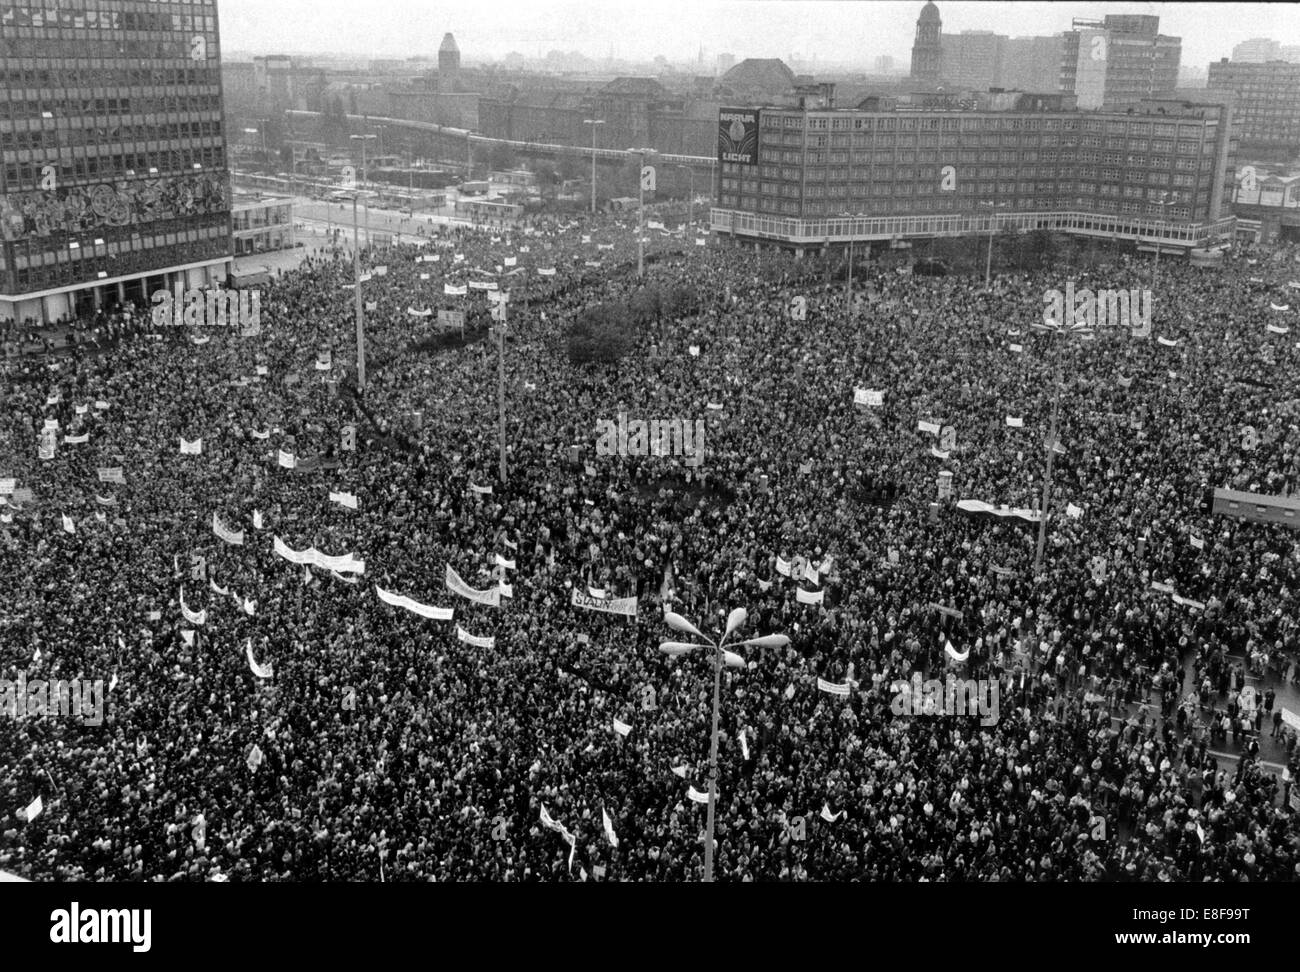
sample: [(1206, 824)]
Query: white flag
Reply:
[(609, 828), (828, 816), (744, 746), (67, 524), (622, 728), (257, 519), (33, 810), (681, 771)]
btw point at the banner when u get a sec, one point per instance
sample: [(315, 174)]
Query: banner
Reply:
[(193, 617), (47, 446), (194, 448), (344, 564), (344, 499), (738, 135), (261, 671), (930, 427), (482, 490), (502, 562), (286, 459), (112, 474), (415, 607), (977, 506), (451, 291), (419, 313), (76, 439), (1014, 422), (833, 688), (68, 526), (809, 597), (625, 606), (236, 538), (456, 585), (546, 271), (477, 642), (609, 828), (450, 318)]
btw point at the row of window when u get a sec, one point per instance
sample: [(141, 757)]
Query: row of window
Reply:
[(980, 122), (110, 134), (28, 176), (25, 42), (913, 206), (77, 72), (187, 16)]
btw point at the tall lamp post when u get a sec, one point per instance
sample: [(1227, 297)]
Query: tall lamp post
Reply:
[(988, 259), (640, 215), (363, 139), (1155, 271), (690, 202), (356, 291), (593, 122), (1051, 455), (721, 657)]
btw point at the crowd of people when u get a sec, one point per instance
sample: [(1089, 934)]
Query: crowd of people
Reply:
[(385, 744)]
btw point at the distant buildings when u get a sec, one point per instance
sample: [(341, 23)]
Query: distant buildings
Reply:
[(1114, 62), (1267, 103), (1257, 50)]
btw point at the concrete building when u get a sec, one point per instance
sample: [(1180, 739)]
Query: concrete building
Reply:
[(1119, 61), (110, 188), (972, 59), (927, 48), (1267, 105), (1266, 199), (448, 60), (923, 171)]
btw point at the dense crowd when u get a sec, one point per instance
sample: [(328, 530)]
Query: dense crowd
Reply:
[(384, 744)]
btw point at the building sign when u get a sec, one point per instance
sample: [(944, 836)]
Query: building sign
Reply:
[(738, 135)]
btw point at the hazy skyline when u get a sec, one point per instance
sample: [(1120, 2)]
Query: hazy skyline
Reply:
[(831, 31)]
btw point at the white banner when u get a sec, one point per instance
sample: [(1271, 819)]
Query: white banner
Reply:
[(931, 427), (502, 562), (625, 606), (809, 597), (344, 499), (415, 607), (76, 439), (477, 642), (484, 490), (834, 688), (286, 459), (344, 563), (1014, 422), (261, 671), (456, 585), (233, 537), (546, 271), (111, 474), (451, 291), (193, 617), (194, 448), (620, 727)]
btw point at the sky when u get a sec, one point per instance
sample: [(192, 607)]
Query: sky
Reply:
[(831, 31)]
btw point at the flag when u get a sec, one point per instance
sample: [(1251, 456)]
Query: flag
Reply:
[(622, 728), (194, 448), (681, 771), (828, 816), (33, 810), (67, 524), (286, 459), (744, 746), (609, 828), (254, 759), (696, 796), (257, 519), (1073, 512)]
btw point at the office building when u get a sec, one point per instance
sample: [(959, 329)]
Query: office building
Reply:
[(1118, 61), (1029, 156), (1267, 103), (972, 59), (114, 180)]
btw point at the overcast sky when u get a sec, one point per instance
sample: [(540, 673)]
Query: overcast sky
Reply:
[(850, 31)]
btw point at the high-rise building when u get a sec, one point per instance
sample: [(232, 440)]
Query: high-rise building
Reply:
[(1267, 103), (924, 171), (1118, 61), (1257, 50), (114, 181), (927, 50), (972, 59), (725, 63), (1032, 63)]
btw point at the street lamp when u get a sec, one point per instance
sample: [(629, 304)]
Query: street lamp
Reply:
[(593, 122), (363, 139), (848, 287), (356, 291), (1155, 271), (988, 259), (690, 202), (735, 621), (640, 216), (1051, 454)]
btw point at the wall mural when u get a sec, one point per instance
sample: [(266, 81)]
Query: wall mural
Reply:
[(82, 209)]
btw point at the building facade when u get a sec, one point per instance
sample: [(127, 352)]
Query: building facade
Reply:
[(1119, 61), (114, 181), (1010, 152), (1267, 103), (973, 59)]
